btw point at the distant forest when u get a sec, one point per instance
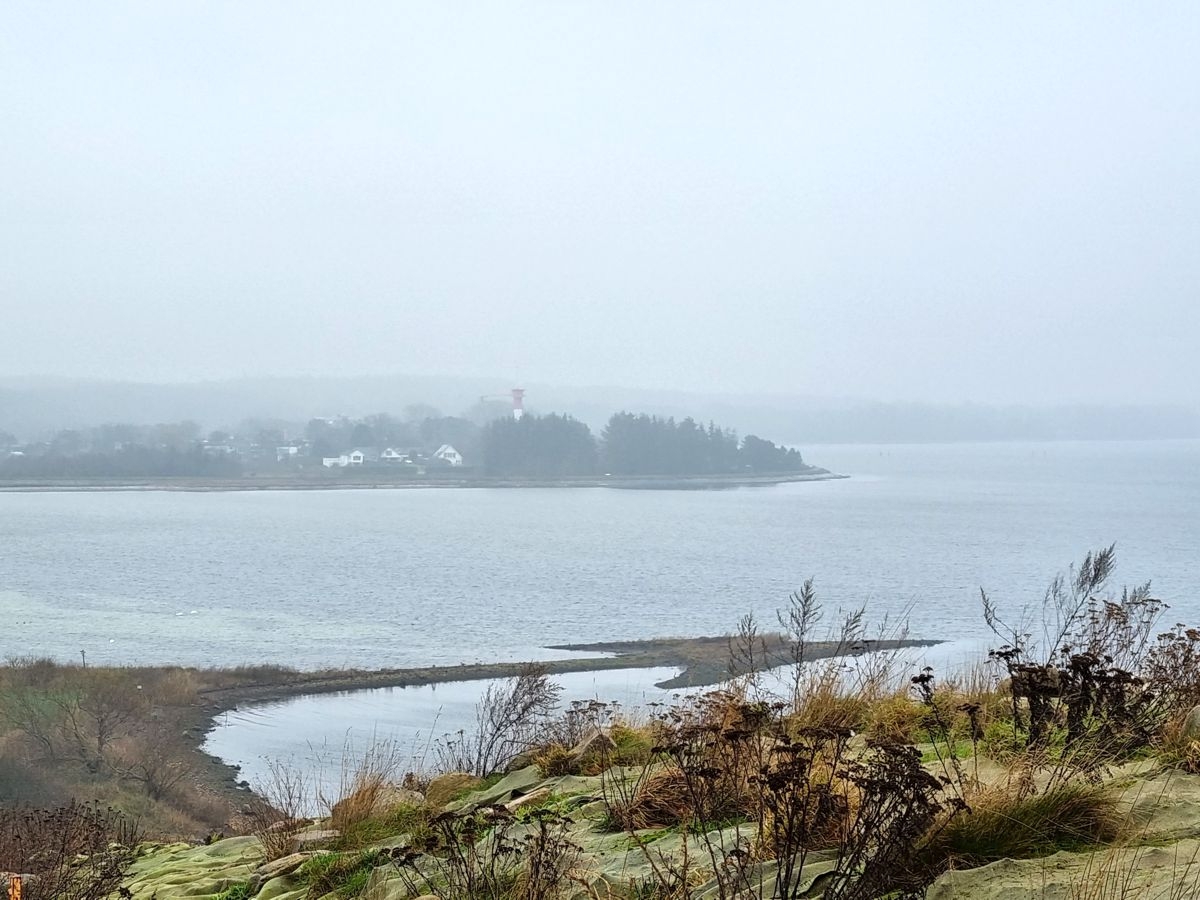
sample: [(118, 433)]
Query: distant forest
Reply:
[(630, 444), (418, 444)]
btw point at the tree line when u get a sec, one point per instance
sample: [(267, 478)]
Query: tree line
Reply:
[(559, 445), (552, 445)]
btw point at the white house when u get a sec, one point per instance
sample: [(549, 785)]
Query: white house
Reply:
[(335, 462), (447, 453), (357, 458), (393, 456)]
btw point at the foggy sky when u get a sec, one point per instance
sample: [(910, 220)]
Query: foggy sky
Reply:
[(955, 201)]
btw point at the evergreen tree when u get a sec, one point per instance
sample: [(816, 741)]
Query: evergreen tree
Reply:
[(547, 446)]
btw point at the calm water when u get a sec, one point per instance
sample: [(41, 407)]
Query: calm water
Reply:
[(392, 578), (326, 735)]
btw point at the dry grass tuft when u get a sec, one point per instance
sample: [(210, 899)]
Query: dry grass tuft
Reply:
[(366, 782), (660, 800), (1003, 824)]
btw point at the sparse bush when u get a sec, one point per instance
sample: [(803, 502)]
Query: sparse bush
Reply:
[(277, 812), (78, 852), (509, 721), (1173, 667), (723, 762), (151, 759), (1094, 673), (477, 855)]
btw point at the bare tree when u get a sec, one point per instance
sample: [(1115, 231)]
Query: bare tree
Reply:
[(507, 722)]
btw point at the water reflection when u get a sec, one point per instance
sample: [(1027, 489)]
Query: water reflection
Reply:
[(320, 735)]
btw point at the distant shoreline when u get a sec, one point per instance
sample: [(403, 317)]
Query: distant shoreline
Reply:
[(702, 661), (380, 481)]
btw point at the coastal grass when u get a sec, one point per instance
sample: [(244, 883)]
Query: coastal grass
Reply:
[(366, 779), (242, 890), (1120, 873), (1002, 823), (411, 820), (344, 874)]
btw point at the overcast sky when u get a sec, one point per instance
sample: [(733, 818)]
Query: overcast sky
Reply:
[(957, 201)]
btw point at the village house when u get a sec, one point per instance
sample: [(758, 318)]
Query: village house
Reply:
[(447, 454)]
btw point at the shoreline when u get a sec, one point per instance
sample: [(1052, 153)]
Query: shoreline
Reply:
[(703, 661), (376, 482)]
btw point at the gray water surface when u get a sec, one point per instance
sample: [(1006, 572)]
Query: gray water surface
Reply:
[(414, 577)]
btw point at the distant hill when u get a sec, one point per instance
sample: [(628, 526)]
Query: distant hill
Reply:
[(31, 408)]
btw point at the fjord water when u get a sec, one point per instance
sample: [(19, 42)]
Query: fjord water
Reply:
[(440, 576)]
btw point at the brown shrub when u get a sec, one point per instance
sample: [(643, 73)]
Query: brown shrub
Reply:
[(78, 851)]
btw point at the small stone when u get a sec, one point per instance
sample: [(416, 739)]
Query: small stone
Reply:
[(595, 741), (313, 839), (1191, 725), (288, 825), (285, 865), (533, 798)]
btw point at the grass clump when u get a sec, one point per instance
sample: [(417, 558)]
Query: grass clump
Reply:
[(633, 745), (479, 784), (895, 720), (1005, 825), (403, 819), (240, 891), (367, 785), (346, 874), (557, 760)]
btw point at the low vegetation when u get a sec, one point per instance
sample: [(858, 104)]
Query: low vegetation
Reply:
[(78, 851), (854, 777), (123, 737)]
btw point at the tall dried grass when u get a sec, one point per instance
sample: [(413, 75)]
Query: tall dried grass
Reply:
[(277, 812), (366, 778)]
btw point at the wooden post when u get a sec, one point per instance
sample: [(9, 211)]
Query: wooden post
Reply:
[(14, 887)]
